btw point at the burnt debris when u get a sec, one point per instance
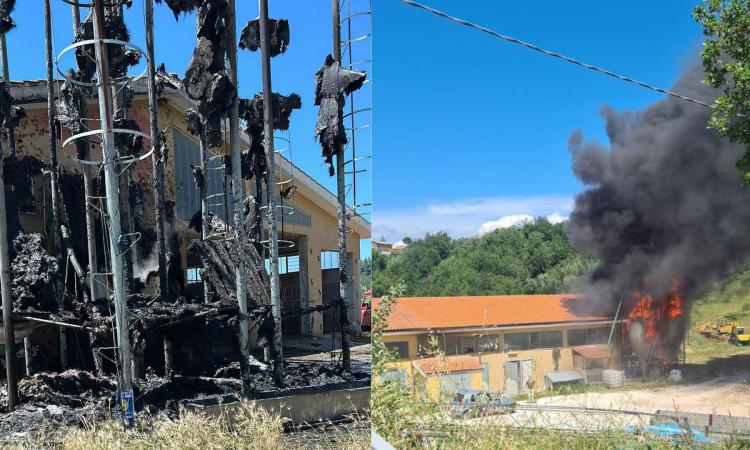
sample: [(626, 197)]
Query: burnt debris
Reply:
[(33, 273), (120, 58), (11, 115), (181, 6), (219, 259), (6, 9), (250, 37), (332, 84), (251, 111), (206, 80)]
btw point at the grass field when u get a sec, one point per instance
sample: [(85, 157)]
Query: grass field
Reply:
[(251, 429)]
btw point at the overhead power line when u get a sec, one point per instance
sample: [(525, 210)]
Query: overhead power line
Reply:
[(553, 54)]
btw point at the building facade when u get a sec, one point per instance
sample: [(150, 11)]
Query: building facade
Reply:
[(502, 344)]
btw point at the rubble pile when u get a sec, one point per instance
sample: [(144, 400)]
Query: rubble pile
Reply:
[(33, 272), (332, 84)]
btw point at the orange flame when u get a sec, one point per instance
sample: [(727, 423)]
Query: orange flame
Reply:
[(654, 315)]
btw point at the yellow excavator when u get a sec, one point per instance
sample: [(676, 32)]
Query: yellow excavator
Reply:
[(738, 336)]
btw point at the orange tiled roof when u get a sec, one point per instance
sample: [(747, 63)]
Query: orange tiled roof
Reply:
[(448, 364), (591, 352), (423, 313)]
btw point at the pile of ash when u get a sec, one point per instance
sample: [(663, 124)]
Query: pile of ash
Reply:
[(298, 374), (51, 400), (33, 271)]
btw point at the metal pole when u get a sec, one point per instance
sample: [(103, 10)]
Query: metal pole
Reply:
[(95, 286), (6, 76), (204, 200), (57, 240), (8, 332), (113, 206), (238, 193), (341, 194), (273, 239), (7, 300), (158, 159)]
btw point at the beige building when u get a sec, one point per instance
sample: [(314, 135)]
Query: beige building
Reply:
[(498, 343), (308, 230)]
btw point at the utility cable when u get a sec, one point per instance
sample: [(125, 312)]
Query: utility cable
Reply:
[(553, 54)]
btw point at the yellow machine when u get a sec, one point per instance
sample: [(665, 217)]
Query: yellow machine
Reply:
[(739, 337), (725, 327)]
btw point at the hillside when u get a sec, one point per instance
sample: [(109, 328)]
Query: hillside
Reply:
[(534, 258)]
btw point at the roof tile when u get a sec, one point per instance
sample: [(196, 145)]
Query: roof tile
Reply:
[(423, 313)]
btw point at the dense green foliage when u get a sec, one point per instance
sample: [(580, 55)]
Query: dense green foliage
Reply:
[(726, 61), (534, 258)]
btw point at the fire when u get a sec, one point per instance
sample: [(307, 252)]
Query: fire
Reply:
[(654, 315)]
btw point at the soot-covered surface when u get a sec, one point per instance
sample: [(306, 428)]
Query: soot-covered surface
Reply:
[(332, 83), (32, 271)]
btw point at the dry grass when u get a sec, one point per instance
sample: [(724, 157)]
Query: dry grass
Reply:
[(252, 429)]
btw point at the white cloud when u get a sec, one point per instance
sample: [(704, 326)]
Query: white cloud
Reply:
[(505, 222), (556, 218), (464, 217)]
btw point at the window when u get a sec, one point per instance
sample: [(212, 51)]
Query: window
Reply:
[(398, 375), (489, 343), (588, 336), (546, 339), (329, 260), (187, 153), (517, 341), (287, 264), (399, 349), (452, 345), (429, 344), (193, 275), (459, 345)]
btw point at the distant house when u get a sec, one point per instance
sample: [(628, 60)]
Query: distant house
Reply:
[(398, 246), (383, 247), (498, 342)]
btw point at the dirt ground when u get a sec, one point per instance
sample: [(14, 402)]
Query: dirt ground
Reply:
[(726, 394)]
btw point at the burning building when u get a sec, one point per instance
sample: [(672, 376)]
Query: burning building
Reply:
[(665, 212)]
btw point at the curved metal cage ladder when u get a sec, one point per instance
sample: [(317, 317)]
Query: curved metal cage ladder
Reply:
[(124, 162), (285, 151), (356, 28)]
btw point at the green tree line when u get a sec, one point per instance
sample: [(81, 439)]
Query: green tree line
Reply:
[(534, 258)]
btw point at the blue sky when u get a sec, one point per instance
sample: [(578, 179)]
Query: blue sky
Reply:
[(472, 131), (294, 71)]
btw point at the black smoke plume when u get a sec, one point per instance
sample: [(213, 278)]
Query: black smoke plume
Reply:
[(664, 202)]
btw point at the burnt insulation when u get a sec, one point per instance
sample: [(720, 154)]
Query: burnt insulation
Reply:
[(181, 6), (250, 37), (119, 57), (205, 78), (6, 9), (11, 115), (33, 272), (251, 111), (332, 84)]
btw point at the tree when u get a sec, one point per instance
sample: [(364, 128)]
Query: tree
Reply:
[(726, 61), (534, 258)]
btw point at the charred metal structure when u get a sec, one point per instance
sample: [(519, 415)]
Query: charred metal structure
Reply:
[(115, 287)]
